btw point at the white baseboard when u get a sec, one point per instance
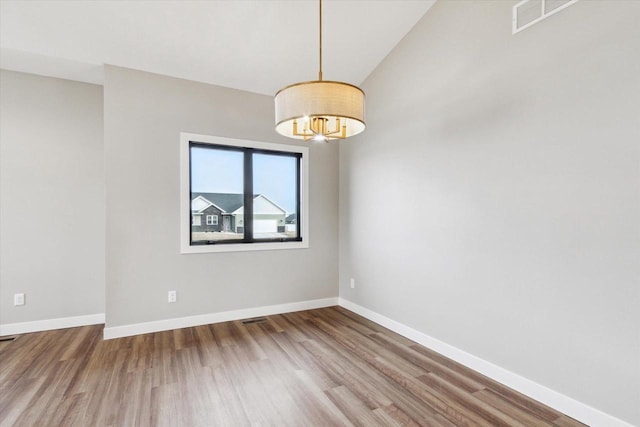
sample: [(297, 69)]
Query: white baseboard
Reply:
[(205, 319), (49, 324), (557, 401)]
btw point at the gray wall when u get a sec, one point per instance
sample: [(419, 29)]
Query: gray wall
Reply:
[(51, 198), (511, 164), (143, 117)]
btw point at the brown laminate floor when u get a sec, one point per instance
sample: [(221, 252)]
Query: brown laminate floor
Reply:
[(324, 367)]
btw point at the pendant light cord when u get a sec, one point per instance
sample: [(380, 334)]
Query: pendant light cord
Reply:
[(320, 50)]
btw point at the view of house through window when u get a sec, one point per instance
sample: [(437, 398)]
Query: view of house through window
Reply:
[(275, 205), (243, 195)]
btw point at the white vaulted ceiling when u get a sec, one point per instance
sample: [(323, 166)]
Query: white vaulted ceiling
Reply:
[(254, 45)]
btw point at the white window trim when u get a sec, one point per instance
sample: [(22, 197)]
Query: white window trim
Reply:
[(185, 203)]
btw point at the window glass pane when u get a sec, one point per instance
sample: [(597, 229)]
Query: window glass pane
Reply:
[(529, 12), (216, 194), (275, 200)]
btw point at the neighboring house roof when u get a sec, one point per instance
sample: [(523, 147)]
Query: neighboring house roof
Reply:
[(260, 207), (290, 219), (233, 203), (226, 202), (200, 204)]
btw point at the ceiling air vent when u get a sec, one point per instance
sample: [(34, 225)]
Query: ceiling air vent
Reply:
[(530, 12)]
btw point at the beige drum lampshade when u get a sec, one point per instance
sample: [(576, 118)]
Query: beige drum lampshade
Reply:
[(320, 110)]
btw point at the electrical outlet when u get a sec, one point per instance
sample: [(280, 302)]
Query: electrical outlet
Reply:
[(353, 283), (173, 296), (18, 299)]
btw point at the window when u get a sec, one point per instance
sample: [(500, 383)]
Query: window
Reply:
[(248, 191), (196, 220), (530, 12)]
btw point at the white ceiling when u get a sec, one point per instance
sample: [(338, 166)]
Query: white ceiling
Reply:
[(254, 45)]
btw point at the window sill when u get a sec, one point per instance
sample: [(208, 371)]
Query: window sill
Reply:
[(242, 247)]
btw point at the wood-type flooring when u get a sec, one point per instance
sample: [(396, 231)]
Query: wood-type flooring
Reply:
[(324, 367)]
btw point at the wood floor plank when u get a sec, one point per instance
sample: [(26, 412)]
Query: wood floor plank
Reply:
[(449, 409), (489, 415), (296, 352), (353, 408), (293, 324), (227, 403), (16, 404), (345, 373), (522, 415), (372, 386), (385, 419), (428, 364), (324, 367), (69, 412), (309, 390), (565, 421), (542, 411)]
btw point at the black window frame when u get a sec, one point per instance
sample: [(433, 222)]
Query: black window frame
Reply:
[(248, 194)]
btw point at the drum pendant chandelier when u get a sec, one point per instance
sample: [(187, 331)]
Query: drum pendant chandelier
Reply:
[(320, 110)]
